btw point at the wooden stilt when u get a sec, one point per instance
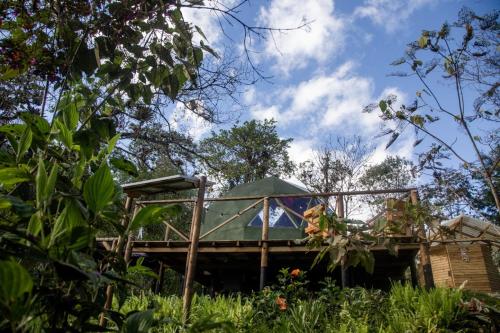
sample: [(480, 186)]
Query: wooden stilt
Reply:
[(159, 282), (161, 268), (265, 245), (340, 211), (193, 251), (425, 258), (130, 240), (118, 250)]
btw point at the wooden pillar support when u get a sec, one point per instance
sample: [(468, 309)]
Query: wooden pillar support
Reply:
[(265, 245), (161, 266), (159, 282), (193, 251), (130, 239), (340, 211), (425, 258)]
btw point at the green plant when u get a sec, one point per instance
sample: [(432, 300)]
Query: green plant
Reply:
[(307, 316), (57, 191)]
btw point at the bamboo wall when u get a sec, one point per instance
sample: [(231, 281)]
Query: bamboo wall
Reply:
[(454, 264), (441, 271)]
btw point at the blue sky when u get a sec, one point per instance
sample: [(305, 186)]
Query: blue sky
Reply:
[(324, 74)]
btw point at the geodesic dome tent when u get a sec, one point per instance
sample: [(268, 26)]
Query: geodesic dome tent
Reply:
[(284, 212)]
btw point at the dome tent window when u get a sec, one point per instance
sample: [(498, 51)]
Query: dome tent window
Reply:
[(277, 218)]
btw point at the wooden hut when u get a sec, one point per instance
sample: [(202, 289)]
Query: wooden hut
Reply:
[(466, 262)]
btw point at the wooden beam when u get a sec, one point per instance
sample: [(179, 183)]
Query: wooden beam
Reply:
[(265, 245), (425, 258), (257, 249), (130, 239), (291, 211), (107, 246), (166, 201), (298, 195), (179, 233), (193, 251), (231, 219)]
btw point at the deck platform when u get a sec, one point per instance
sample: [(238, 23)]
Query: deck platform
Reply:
[(226, 266)]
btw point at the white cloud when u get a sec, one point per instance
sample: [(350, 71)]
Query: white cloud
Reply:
[(186, 122), (261, 113), (389, 13), (332, 104), (301, 150), (294, 49), (325, 101)]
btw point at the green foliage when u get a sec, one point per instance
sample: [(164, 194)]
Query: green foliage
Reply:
[(15, 281), (99, 59), (330, 309), (345, 243), (247, 153), (465, 53), (153, 214)]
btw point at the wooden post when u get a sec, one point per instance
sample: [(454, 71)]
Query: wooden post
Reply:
[(130, 239), (339, 207), (265, 245), (161, 268), (425, 258), (193, 250), (118, 249)]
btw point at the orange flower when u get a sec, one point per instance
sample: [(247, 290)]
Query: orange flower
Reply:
[(295, 273), (281, 301)]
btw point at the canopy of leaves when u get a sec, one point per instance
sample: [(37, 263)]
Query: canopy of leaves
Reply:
[(247, 153), (464, 56), (84, 67)]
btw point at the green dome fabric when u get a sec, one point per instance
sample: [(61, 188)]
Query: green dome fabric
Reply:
[(248, 226)]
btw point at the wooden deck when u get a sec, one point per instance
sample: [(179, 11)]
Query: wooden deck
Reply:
[(234, 265)]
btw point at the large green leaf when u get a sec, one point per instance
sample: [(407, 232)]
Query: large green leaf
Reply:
[(69, 111), (99, 189), (65, 135), (11, 176), (19, 207), (41, 182), (38, 125), (153, 214), (15, 281), (125, 165), (13, 129), (24, 144), (138, 322), (35, 224), (69, 219)]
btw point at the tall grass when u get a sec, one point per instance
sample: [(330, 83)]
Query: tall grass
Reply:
[(402, 309), (417, 310)]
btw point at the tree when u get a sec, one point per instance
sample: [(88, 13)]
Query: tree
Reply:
[(337, 166), (466, 55), (392, 173), (246, 153), (90, 65)]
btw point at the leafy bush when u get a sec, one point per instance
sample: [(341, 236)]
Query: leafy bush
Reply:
[(402, 309)]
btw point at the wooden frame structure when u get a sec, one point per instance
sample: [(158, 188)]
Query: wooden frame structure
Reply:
[(192, 245), (155, 186)]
